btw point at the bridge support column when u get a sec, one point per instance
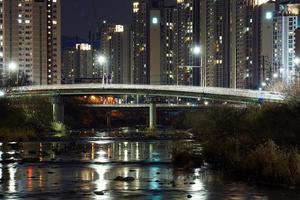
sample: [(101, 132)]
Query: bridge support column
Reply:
[(58, 109), (152, 116)]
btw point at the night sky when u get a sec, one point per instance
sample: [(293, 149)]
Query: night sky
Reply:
[(79, 16)]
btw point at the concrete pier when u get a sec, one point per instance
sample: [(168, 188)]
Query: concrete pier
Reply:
[(152, 116), (58, 109)]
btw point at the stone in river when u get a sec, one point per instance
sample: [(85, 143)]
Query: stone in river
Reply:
[(99, 192)]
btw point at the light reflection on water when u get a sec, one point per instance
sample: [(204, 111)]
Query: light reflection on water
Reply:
[(75, 170)]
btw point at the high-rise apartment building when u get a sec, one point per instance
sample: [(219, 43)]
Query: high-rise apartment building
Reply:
[(266, 70), (284, 49), (140, 41), (68, 66), (215, 43), (30, 41), (188, 39), (78, 64), (116, 49), (230, 43), (146, 31), (164, 39), (169, 35)]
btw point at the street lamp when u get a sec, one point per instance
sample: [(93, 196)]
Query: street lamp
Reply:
[(2, 93), (102, 60), (297, 61), (196, 50), (13, 68)]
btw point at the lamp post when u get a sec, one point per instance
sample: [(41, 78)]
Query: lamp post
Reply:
[(196, 51), (13, 68), (297, 70), (102, 60)]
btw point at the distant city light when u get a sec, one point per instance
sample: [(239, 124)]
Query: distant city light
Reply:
[(206, 103), (275, 75), (263, 84), (12, 66)]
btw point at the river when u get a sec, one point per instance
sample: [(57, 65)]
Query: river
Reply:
[(86, 170)]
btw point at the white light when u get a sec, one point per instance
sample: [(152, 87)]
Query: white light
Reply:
[(12, 66), (263, 84), (269, 15), (275, 75), (154, 20), (2, 93), (101, 59), (297, 61), (196, 50), (206, 103)]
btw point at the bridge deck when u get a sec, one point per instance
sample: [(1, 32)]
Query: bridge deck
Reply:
[(148, 90)]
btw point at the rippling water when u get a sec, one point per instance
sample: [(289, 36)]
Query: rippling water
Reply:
[(81, 170)]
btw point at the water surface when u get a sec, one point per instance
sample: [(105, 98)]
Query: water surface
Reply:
[(80, 170)]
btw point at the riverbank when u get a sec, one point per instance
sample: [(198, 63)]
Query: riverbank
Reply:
[(258, 144)]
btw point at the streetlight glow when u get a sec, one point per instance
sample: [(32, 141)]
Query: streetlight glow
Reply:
[(101, 59), (275, 75), (206, 103), (297, 61), (2, 93), (196, 50), (12, 66)]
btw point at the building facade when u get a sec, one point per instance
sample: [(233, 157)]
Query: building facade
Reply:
[(116, 49), (78, 64), (284, 49), (30, 41)]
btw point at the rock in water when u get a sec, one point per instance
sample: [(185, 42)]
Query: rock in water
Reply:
[(99, 192), (119, 178), (129, 179)]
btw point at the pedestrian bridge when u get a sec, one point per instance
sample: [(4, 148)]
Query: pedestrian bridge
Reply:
[(226, 94)]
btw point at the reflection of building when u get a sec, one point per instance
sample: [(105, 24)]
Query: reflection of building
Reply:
[(116, 48), (30, 38), (78, 63)]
